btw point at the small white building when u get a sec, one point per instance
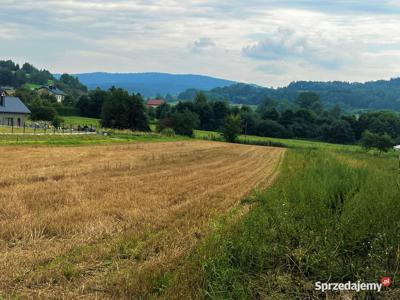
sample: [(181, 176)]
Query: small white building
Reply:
[(51, 90)]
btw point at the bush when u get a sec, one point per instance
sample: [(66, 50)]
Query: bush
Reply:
[(183, 123), (168, 132), (381, 142), (57, 121)]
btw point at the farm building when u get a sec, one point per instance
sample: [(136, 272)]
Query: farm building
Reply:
[(52, 90), (154, 102), (12, 111)]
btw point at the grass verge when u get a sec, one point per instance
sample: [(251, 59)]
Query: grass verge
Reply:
[(330, 217), (92, 139)]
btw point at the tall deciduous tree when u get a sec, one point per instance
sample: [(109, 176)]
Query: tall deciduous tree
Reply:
[(231, 128), (309, 100), (123, 111)]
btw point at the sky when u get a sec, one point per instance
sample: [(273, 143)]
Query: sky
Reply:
[(265, 42)]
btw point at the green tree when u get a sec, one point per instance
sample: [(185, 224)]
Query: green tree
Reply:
[(339, 132), (42, 111), (91, 105), (231, 128), (123, 111), (220, 110), (182, 122), (371, 140), (249, 121), (72, 82), (204, 110), (271, 114), (266, 104), (162, 111), (200, 98), (309, 100), (336, 111), (271, 128)]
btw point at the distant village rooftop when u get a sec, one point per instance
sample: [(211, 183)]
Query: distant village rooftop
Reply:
[(154, 102)]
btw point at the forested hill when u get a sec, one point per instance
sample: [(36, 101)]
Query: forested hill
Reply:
[(30, 77), (382, 94), (151, 84)]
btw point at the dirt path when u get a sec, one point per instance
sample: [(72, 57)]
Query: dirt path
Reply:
[(107, 221)]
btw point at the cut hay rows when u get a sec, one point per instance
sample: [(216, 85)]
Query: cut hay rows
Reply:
[(76, 220)]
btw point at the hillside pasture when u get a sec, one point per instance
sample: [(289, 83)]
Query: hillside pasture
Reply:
[(111, 220)]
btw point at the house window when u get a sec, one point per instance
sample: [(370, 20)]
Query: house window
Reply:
[(19, 122), (10, 121)]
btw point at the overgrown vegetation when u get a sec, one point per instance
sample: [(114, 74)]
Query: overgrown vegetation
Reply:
[(331, 217)]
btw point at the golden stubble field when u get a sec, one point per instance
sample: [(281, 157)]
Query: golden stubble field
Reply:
[(109, 221)]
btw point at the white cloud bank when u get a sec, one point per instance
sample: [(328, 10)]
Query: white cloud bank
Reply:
[(267, 42)]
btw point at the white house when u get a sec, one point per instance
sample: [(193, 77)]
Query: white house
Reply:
[(52, 90)]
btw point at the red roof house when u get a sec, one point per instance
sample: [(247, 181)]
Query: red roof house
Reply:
[(154, 102)]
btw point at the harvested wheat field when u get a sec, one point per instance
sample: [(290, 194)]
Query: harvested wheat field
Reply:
[(109, 221)]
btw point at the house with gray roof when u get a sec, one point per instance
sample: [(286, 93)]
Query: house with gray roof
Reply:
[(12, 111), (52, 90)]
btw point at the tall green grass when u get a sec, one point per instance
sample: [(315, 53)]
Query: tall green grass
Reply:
[(82, 121), (276, 142), (91, 139), (330, 217)]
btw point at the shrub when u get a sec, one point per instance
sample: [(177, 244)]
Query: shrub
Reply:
[(372, 140), (168, 132), (183, 123)]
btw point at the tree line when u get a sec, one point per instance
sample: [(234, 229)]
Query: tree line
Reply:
[(305, 119)]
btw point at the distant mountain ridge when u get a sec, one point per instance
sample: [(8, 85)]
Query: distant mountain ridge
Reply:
[(373, 95), (151, 84)]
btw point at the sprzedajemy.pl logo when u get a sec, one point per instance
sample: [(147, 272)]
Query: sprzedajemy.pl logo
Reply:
[(353, 286)]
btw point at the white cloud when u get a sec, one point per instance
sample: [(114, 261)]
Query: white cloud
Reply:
[(268, 42), (317, 48), (201, 44)]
